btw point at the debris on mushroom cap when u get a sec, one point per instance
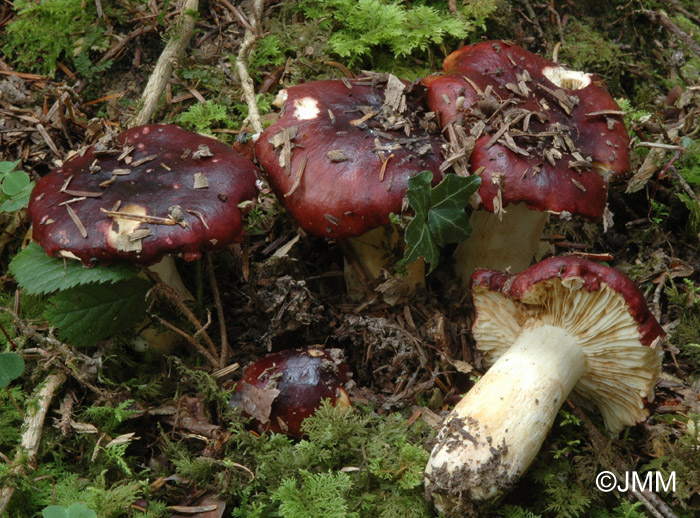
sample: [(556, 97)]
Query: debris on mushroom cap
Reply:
[(154, 190), (556, 136), (341, 153), (601, 306), (282, 389)]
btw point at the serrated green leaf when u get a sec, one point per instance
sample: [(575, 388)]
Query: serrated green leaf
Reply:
[(86, 314), (449, 226), (418, 193), (453, 192), (14, 182), (40, 274), (11, 368)]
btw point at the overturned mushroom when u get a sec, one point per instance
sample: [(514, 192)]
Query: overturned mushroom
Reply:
[(544, 139), (282, 389), (564, 328), (339, 158)]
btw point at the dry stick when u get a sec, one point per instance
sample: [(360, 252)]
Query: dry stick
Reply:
[(684, 12), (173, 295), (657, 17), (31, 438), (242, 65), (192, 340), (166, 62), (225, 348)]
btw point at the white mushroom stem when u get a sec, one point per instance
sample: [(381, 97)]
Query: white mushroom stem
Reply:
[(167, 271), (372, 251), (505, 243), (496, 430)]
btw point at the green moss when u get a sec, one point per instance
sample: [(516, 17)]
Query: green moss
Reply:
[(44, 32), (367, 465)]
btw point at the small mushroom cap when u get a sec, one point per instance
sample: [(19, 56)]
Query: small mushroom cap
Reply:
[(345, 174), (600, 306), (170, 173), (282, 389), (566, 138)]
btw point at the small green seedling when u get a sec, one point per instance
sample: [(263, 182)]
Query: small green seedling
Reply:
[(16, 187), (74, 511), (11, 368)]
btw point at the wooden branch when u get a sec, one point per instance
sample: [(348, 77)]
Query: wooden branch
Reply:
[(242, 65), (31, 437), (657, 17), (182, 33), (225, 347)]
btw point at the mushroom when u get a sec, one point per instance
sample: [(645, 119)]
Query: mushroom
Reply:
[(544, 139), (564, 328), (282, 389), (154, 192), (339, 158)]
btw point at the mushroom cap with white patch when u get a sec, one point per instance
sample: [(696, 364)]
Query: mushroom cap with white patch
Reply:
[(334, 166), (600, 306), (545, 136), (158, 190)]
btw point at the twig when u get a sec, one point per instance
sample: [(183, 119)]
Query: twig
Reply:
[(657, 17), (684, 12), (31, 438), (166, 62), (225, 348), (173, 295), (249, 40), (191, 339)]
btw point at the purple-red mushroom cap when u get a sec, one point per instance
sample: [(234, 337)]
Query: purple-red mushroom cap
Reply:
[(600, 306), (282, 389), (334, 159), (158, 190), (544, 136)]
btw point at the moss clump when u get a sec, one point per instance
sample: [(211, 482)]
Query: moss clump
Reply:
[(354, 464), (43, 32)]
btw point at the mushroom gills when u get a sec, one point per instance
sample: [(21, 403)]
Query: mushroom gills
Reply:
[(484, 448)]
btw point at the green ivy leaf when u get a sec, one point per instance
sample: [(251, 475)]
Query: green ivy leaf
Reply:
[(420, 243), (440, 216), (89, 313), (418, 193), (11, 368), (39, 274), (76, 510)]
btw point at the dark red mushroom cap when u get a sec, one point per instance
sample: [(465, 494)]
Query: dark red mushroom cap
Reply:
[(524, 286), (336, 163), (182, 189), (564, 138), (282, 389)]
